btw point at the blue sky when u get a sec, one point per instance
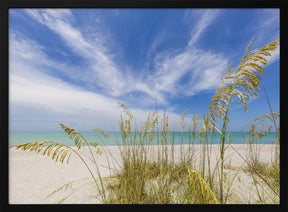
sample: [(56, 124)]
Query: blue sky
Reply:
[(73, 65)]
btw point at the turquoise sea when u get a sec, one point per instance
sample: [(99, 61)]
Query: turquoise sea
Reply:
[(115, 138)]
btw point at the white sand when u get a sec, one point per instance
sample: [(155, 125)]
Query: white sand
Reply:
[(33, 176)]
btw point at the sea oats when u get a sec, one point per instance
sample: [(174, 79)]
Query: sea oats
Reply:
[(180, 123), (237, 86), (201, 188), (60, 150), (105, 134), (127, 111)]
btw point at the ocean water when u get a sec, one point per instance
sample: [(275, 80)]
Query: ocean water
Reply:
[(115, 138)]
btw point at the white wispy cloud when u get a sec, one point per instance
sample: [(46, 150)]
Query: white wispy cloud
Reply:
[(48, 99), (31, 83), (193, 66), (102, 68), (190, 70), (36, 96), (275, 56), (170, 69), (266, 28), (271, 28), (23, 50), (205, 18)]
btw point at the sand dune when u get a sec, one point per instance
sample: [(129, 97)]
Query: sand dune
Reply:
[(33, 176)]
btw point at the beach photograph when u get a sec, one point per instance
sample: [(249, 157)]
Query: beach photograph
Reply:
[(144, 106)]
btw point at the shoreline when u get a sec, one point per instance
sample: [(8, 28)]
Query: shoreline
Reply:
[(115, 138)]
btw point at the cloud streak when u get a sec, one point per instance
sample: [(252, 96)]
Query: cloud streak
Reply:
[(192, 65), (51, 100), (190, 70), (206, 17), (102, 69), (36, 95)]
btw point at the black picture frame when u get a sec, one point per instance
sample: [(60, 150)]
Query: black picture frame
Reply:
[(5, 5)]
